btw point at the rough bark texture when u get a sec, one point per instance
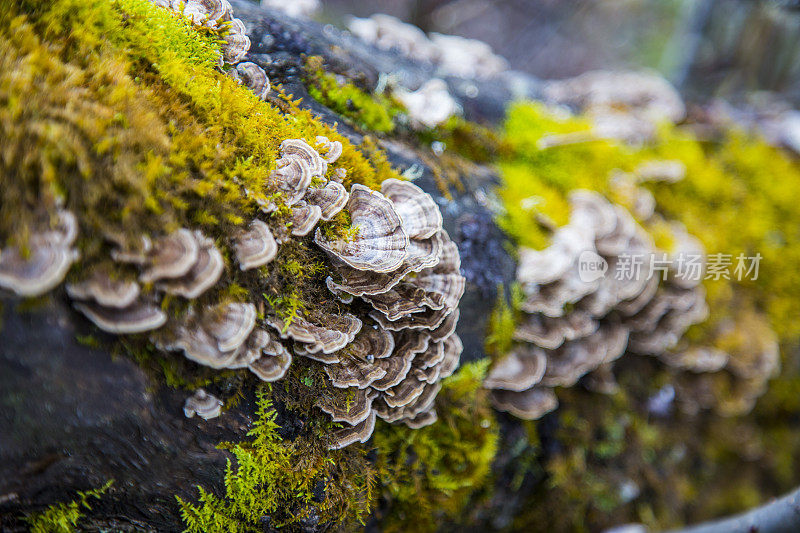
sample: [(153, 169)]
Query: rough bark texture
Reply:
[(72, 417)]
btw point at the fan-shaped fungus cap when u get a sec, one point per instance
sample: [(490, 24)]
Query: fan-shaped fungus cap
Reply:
[(697, 359), (429, 319), (403, 394), (531, 404), (339, 174), (237, 43), (352, 406), (452, 356), (172, 256), (48, 260), (272, 366), (381, 244), (255, 247), (137, 317), (521, 369), (291, 178), (420, 214), (203, 274), (101, 288), (331, 199), (301, 150), (251, 350), (421, 254), (352, 372), (202, 404), (253, 77), (332, 149), (350, 434), (206, 12), (338, 332), (423, 419), (550, 333), (230, 324), (396, 367), (304, 217), (430, 105)]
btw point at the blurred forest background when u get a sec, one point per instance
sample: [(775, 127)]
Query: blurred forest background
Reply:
[(706, 48)]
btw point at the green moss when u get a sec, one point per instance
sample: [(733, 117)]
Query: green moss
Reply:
[(64, 517), (282, 483), (502, 323), (739, 196), (372, 112), (430, 475)]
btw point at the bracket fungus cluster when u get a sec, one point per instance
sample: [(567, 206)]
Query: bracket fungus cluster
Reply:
[(430, 105), (403, 270), (452, 55), (38, 265), (202, 404), (217, 15), (625, 105), (588, 300)]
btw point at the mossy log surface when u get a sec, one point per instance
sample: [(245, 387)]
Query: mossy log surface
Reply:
[(74, 416)]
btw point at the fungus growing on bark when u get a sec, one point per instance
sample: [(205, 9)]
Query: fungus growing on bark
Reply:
[(172, 256), (255, 247), (298, 149), (101, 288), (430, 105), (350, 434), (330, 199), (345, 407), (337, 332), (253, 77), (46, 261), (137, 317), (381, 243), (304, 218), (205, 272), (585, 322), (418, 212), (521, 369), (332, 149), (274, 362), (530, 404), (623, 105), (202, 404)]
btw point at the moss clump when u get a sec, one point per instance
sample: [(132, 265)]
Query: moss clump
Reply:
[(64, 517), (429, 475), (279, 483), (371, 112), (737, 198)]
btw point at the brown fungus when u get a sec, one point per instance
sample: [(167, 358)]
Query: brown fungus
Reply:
[(351, 406), (330, 199), (202, 404), (44, 264), (253, 77), (137, 317), (333, 149), (418, 211), (205, 272), (338, 332), (530, 404), (381, 243), (255, 247), (304, 218), (348, 435), (102, 288)]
